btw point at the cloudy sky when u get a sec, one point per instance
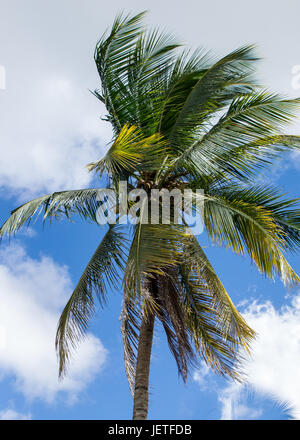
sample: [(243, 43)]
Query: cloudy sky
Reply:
[(50, 128)]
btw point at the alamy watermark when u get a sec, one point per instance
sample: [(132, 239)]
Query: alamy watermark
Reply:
[(156, 206), (296, 77), (3, 337), (2, 78)]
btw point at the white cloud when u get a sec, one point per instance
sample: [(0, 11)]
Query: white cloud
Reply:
[(32, 293), (10, 414), (233, 398), (50, 122), (56, 137), (201, 375), (272, 370)]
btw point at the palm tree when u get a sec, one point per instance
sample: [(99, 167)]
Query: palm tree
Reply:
[(180, 120)]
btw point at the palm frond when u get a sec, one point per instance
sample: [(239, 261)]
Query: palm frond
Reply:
[(131, 317), (243, 226), (160, 295), (231, 322), (285, 212), (216, 328), (133, 66), (82, 202), (187, 70), (247, 135), (111, 57), (244, 161), (134, 311), (169, 297), (221, 82), (101, 273), (130, 153), (154, 250), (148, 76)]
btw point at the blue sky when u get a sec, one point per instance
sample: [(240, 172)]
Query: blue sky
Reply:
[(49, 129)]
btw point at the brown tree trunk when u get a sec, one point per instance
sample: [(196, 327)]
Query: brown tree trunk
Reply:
[(141, 390)]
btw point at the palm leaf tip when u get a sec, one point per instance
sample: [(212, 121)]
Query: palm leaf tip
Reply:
[(61, 204)]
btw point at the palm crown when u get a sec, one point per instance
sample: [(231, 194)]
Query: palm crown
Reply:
[(180, 120)]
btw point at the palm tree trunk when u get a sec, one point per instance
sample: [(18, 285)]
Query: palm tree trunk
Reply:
[(141, 393)]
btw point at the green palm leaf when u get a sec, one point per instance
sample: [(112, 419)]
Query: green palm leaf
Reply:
[(249, 130), (130, 153), (231, 323), (243, 225), (60, 204), (218, 344), (101, 273), (111, 56), (216, 87)]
